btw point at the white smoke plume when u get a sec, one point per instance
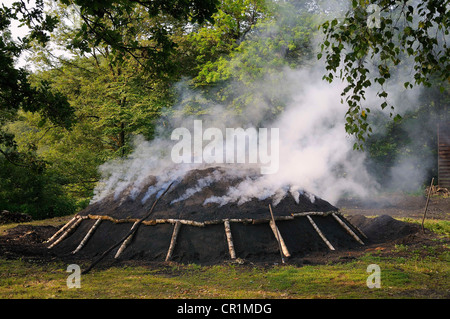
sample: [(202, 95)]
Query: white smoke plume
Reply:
[(316, 154)]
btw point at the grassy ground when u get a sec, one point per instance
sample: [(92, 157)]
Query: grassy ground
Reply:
[(407, 271)]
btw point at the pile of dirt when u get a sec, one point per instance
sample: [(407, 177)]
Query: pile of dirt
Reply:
[(7, 217), (398, 205), (383, 228), (26, 241), (28, 234), (202, 237)]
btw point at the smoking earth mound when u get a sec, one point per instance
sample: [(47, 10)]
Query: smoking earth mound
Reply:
[(203, 219)]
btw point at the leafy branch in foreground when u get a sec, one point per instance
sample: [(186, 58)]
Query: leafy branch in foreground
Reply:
[(390, 35)]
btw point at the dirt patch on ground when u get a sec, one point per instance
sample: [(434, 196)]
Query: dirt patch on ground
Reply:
[(397, 205), (27, 241)]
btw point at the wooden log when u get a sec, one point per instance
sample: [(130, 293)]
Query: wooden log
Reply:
[(128, 220), (149, 222), (176, 229), (281, 245), (226, 224), (310, 214), (241, 220), (67, 232), (260, 221), (182, 221), (316, 228), (127, 241), (88, 235), (112, 219), (287, 217), (61, 229), (212, 222), (267, 220), (275, 231), (349, 231), (191, 223), (100, 217)]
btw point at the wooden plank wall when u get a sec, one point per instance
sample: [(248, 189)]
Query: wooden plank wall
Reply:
[(444, 154)]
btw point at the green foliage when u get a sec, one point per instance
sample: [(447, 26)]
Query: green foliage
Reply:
[(25, 183), (412, 136), (117, 24), (245, 47), (112, 103), (408, 33), (38, 194), (16, 92)]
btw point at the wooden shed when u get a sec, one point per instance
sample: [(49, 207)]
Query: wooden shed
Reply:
[(444, 154)]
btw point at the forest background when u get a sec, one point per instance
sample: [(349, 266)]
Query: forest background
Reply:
[(127, 66)]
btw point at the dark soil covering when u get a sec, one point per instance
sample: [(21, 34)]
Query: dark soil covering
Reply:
[(26, 241), (383, 228), (208, 244), (253, 242)]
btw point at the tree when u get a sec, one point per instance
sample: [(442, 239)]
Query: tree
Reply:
[(112, 45), (123, 26), (389, 34), (113, 98), (249, 42), (16, 91)]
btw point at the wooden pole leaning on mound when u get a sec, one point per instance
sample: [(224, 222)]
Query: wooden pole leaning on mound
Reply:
[(131, 232), (348, 230), (226, 224), (126, 242), (88, 235), (354, 226), (281, 245), (318, 231), (77, 222), (61, 229), (173, 241)]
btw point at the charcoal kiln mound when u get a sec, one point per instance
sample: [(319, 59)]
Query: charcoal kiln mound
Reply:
[(199, 221)]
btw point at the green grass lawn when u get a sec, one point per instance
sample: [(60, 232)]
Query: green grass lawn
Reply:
[(406, 272)]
